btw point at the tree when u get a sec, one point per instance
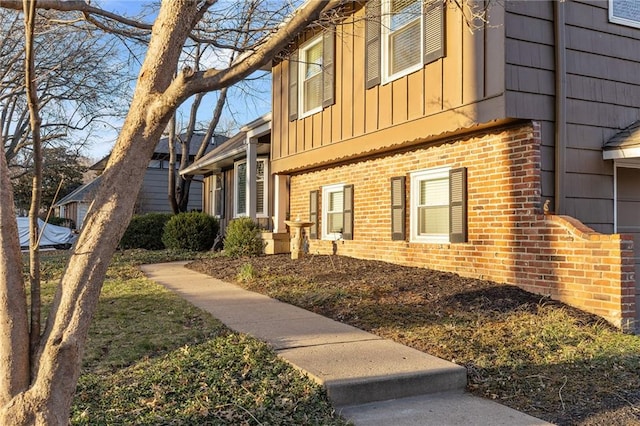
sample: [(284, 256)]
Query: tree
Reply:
[(62, 173), (79, 83), (38, 389)]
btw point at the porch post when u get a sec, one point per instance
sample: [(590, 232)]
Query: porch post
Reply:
[(281, 202), (252, 144)]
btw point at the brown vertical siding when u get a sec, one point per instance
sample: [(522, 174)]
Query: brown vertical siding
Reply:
[(435, 92)]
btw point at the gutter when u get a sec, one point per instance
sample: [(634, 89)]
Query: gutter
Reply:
[(560, 117)]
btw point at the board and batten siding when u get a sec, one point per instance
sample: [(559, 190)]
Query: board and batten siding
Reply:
[(602, 87), (456, 92)]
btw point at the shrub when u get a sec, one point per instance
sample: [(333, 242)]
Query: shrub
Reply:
[(190, 231), (243, 238), (145, 232), (61, 221)]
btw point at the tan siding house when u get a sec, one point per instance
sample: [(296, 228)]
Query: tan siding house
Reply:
[(494, 149)]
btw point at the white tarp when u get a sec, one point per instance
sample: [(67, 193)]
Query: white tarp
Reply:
[(51, 236)]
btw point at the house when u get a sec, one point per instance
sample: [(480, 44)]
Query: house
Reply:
[(153, 196), (237, 182), (408, 133)]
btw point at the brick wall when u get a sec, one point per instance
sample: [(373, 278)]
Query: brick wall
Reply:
[(509, 239)]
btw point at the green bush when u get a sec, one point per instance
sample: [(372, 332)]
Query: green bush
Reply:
[(61, 221), (243, 238), (190, 231), (145, 232)]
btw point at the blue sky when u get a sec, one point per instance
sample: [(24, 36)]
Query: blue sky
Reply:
[(241, 106)]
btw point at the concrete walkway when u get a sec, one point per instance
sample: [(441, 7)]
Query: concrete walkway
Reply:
[(370, 380)]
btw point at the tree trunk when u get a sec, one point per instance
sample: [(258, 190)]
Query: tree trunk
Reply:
[(57, 367), (46, 399)]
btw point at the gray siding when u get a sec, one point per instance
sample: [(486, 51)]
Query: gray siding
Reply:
[(153, 195), (603, 89)]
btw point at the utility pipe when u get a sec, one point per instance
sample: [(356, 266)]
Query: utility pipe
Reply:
[(560, 104)]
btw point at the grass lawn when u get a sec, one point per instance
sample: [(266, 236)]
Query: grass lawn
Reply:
[(153, 359)]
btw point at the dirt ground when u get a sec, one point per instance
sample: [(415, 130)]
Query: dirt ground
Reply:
[(425, 309)]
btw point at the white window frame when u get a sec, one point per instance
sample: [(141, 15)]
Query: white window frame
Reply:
[(236, 194), (386, 49), (265, 192), (632, 21), (214, 190), (302, 57), (416, 178), (326, 190)]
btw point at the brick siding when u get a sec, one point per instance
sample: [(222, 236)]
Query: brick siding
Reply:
[(509, 239)]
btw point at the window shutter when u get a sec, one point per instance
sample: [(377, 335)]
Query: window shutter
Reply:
[(293, 86), (433, 30), (347, 217), (313, 215), (458, 205), (328, 67), (372, 43), (398, 208)]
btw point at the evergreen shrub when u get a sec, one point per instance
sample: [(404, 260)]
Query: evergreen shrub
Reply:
[(190, 231), (243, 238), (145, 232)]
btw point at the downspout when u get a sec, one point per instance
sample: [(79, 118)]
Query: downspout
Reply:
[(560, 104)]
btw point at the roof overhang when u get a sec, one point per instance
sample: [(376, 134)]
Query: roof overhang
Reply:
[(234, 149), (623, 145)]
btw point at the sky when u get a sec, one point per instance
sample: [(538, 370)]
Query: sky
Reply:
[(241, 107)]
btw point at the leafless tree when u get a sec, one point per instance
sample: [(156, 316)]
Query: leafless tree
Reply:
[(80, 84), (38, 389)]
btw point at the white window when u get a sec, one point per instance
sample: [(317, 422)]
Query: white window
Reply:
[(310, 77), (625, 12), (241, 192), (216, 196), (332, 212), (240, 208), (430, 206), (401, 38)]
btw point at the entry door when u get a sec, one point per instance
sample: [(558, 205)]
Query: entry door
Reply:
[(628, 204)]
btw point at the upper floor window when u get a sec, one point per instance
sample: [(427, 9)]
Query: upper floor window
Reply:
[(311, 71), (401, 37), (310, 77)]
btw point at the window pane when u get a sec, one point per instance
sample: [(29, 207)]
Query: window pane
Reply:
[(312, 92), (433, 220), (336, 201), (260, 198), (405, 48), (313, 60), (434, 192), (334, 222), (242, 188), (402, 12)]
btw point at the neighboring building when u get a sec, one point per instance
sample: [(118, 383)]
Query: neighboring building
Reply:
[(153, 194), (75, 205), (409, 137)]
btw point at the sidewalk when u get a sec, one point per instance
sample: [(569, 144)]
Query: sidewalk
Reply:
[(370, 380)]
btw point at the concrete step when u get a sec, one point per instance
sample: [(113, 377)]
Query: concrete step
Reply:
[(441, 409), (363, 371)]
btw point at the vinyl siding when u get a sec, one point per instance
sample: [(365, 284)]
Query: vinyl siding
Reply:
[(603, 86)]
